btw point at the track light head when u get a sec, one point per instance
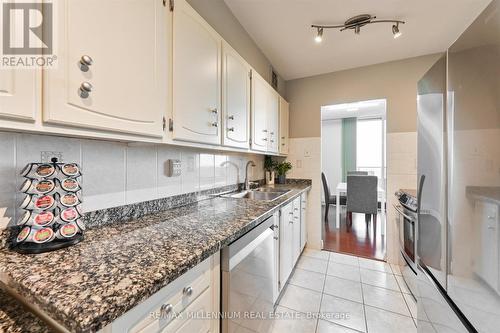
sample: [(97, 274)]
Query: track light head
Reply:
[(395, 31), (319, 36)]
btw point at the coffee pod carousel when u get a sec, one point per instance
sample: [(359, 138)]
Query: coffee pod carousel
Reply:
[(52, 217)]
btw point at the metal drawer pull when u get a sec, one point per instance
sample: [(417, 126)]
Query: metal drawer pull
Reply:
[(276, 238), (166, 308), (295, 209), (291, 213), (272, 141), (214, 110), (272, 133), (230, 117), (215, 124), (283, 137), (85, 62), (265, 131), (85, 89), (265, 139), (188, 291), (296, 217), (230, 129)]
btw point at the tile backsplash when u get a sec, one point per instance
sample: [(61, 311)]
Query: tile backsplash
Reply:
[(117, 173)]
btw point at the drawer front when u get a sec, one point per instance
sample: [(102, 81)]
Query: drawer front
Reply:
[(196, 282), (185, 323)]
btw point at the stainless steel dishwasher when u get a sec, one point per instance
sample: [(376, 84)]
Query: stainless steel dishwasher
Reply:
[(250, 279)]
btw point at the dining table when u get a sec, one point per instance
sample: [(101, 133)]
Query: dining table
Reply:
[(342, 188)]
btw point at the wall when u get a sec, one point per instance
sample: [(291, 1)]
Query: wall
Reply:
[(396, 81), (331, 150), (116, 173), (220, 17)]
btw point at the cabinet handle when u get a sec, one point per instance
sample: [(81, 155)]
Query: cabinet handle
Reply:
[(291, 213), (276, 238), (230, 129), (282, 144), (296, 217), (214, 110), (231, 117), (166, 308), (265, 139), (272, 141), (295, 209), (490, 217), (85, 89), (283, 137), (215, 124), (265, 131), (272, 133), (188, 291)]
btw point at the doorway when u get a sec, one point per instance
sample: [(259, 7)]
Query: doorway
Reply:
[(353, 144)]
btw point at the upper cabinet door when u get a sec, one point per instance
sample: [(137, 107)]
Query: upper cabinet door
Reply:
[(235, 99), (19, 94), (284, 126), (111, 73), (273, 121), (196, 77), (260, 105)]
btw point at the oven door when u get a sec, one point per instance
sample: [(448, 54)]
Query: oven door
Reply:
[(407, 233)]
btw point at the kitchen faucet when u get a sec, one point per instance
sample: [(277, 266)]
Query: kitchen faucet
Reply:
[(247, 183)]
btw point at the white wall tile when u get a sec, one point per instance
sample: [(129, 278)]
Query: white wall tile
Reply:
[(221, 170), (141, 174), (8, 176), (207, 171), (235, 169), (168, 186), (103, 180), (190, 178)]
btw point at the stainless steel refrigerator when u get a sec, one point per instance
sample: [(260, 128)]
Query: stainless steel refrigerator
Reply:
[(458, 227)]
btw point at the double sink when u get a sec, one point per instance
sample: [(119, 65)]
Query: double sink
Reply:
[(262, 193)]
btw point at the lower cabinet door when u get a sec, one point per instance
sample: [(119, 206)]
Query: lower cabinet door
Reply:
[(296, 249), (286, 241), (303, 225)]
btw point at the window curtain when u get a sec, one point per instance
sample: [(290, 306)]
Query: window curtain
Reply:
[(348, 146)]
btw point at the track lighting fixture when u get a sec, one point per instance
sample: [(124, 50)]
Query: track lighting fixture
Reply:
[(356, 23)]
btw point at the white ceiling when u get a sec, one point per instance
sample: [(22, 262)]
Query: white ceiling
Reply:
[(282, 30)]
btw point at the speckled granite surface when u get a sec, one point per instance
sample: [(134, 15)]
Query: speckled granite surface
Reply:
[(14, 318), (490, 194), (87, 286)]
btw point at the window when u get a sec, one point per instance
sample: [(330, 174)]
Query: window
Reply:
[(369, 146)]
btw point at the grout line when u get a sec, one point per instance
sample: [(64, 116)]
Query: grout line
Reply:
[(322, 293), (363, 299)]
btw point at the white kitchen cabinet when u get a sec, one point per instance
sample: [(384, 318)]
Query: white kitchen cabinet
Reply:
[(197, 48), (286, 243), (171, 308), (236, 85), (284, 126), (296, 226), (20, 94), (303, 224), (111, 74), (487, 248), (265, 116)]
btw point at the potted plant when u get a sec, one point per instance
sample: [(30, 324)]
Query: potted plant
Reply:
[(269, 167), (281, 169)]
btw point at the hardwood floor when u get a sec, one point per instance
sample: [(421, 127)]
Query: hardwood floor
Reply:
[(358, 239)]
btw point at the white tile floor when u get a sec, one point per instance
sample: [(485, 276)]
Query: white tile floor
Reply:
[(351, 294)]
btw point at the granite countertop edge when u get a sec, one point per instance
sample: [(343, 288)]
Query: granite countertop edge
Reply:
[(88, 320)]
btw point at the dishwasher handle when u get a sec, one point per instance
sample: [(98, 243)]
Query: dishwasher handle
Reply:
[(235, 252)]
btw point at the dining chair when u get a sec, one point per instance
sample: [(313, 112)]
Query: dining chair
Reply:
[(362, 197), (329, 198), (357, 173)]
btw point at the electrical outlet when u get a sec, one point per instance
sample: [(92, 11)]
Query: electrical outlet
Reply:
[(46, 156), (307, 153)]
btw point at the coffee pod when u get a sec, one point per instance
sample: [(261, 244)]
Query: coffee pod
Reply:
[(67, 231), (43, 219), (45, 171), (23, 234), (43, 202), (27, 186), (70, 169), (70, 184), (69, 200), (44, 235), (69, 214)]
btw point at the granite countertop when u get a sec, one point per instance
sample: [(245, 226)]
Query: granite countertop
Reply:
[(87, 286), (14, 318), (485, 193)]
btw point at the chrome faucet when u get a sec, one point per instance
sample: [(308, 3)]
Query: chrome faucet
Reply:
[(247, 182)]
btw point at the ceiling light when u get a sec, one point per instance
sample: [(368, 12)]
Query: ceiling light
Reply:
[(319, 36), (356, 23), (395, 31)]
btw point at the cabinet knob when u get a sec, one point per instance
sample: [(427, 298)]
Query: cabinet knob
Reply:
[(283, 137), (265, 131), (166, 309), (188, 291), (282, 144), (85, 89), (85, 62), (272, 133), (230, 129), (231, 117), (272, 141), (276, 238), (214, 110), (291, 213), (265, 139), (215, 124)]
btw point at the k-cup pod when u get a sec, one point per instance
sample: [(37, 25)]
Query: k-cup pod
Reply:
[(23, 234), (70, 169), (28, 186), (41, 236), (43, 219), (70, 184), (38, 202), (33, 186), (80, 224), (69, 214), (67, 231), (45, 171), (69, 200)]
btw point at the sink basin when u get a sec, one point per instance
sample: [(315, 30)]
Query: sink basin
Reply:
[(258, 194), (271, 189)]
